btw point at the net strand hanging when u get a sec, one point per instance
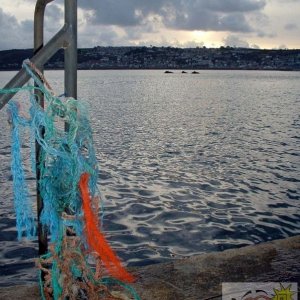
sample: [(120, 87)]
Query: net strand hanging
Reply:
[(80, 264)]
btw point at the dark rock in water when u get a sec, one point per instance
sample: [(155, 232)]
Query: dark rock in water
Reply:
[(168, 72)]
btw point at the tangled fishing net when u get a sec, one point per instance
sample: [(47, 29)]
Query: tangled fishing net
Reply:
[(80, 263)]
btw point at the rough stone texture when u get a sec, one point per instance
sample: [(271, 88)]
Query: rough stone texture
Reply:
[(20, 292), (200, 277)]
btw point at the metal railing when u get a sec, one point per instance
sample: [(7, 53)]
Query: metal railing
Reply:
[(66, 38)]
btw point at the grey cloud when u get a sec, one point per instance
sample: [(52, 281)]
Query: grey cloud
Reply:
[(288, 1), (234, 22), (259, 18), (191, 20), (235, 5), (107, 37), (53, 20), (134, 34), (217, 15), (235, 41), (204, 21), (137, 17), (19, 34), (114, 12), (100, 36), (263, 34), (26, 26), (54, 13), (14, 34), (291, 26)]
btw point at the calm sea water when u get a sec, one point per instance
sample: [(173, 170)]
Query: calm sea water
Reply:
[(188, 163)]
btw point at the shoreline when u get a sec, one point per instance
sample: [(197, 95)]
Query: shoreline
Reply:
[(188, 278), (160, 69)]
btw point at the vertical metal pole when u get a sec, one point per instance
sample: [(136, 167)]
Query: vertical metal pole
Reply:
[(71, 50), (66, 38), (38, 45), (70, 84)]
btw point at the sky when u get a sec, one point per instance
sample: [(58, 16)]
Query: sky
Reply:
[(265, 24)]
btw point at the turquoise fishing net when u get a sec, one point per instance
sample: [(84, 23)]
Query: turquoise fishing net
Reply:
[(64, 157)]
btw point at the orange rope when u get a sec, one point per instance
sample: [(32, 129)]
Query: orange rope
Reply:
[(95, 237)]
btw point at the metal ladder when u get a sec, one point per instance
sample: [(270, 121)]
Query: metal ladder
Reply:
[(65, 38)]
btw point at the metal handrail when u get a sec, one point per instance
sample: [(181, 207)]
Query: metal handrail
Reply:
[(38, 43), (38, 34), (66, 38), (71, 49)]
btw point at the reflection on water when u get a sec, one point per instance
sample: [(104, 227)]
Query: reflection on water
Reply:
[(188, 164)]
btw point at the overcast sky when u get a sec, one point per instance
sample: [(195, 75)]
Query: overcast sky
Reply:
[(183, 23)]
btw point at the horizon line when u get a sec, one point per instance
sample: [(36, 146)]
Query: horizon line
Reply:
[(174, 47)]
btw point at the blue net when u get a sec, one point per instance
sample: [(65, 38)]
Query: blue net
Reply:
[(71, 269)]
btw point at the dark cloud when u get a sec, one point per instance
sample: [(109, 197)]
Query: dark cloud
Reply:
[(220, 15), (234, 22), (235, 5), (114, 12), (127, 22), (201, 20), (216, 15)]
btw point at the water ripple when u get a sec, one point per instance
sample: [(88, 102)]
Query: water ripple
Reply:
[(187, 165)]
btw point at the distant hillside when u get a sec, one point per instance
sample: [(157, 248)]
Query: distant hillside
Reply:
[(165, 58), (12, 59)]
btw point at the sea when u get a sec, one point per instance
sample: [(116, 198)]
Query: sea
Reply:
[(188, 163)]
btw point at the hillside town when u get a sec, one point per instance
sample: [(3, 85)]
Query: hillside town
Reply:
[(166, 58)]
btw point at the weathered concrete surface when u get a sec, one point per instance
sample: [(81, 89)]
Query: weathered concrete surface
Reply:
[(200, 277), (20, 292)]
